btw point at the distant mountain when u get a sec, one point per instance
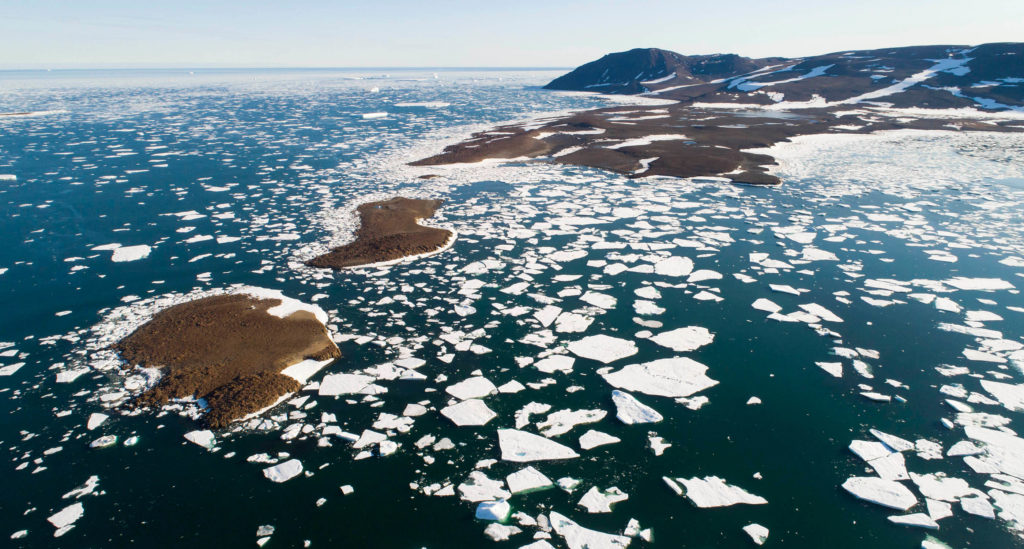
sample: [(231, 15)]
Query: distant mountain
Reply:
[(989, 76)]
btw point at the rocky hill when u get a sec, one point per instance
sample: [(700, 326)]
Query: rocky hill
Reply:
[(989, 76)]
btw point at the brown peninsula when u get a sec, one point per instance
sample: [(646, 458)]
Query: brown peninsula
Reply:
[(716, 108), (228, 350), (389, 230)]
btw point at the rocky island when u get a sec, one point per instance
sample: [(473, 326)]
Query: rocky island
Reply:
[(389, 231), (713, 109), (240, 352)]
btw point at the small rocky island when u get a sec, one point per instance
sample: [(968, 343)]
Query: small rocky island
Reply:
[(702, 114), (240, 352), (389, 231)]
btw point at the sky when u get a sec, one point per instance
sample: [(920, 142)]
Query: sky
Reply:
[(449, 33)]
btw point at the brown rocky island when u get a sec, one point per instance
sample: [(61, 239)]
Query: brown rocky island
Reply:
[(229, 350), (389, 230)]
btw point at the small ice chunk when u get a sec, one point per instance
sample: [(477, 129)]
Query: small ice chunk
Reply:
[(757, 533)]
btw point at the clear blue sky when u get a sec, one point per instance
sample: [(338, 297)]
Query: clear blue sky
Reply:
[(549, 33)]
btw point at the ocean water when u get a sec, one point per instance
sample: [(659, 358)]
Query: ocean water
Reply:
[(236, 177)]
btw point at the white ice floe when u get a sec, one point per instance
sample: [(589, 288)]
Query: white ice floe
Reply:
[(283, 471), (715, 492), (1009, 395), (888, 493), (603, 348), (203, 438), (555, 363), (601, 501), (631, 411), (592, 439), (684, 339), (563, 421), (667, 377), (920, 520), (472, 412), (766, 305), (527, 480), (480, 487), (674, 266), (835, 369), (757, 533), (578, 537), (130, 253), (64, 519), (302, 371), (474, 387), (964, 283), (344, 384), (520, 446), (493, 510), (95, 420)]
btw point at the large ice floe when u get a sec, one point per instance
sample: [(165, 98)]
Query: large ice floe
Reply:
[(667, 377), (520, 446)]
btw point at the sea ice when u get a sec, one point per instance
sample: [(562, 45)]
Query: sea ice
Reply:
[(283, 471), (64, 519), (684, 339), (668, 377), (920, 520), (592, 439), (674, 266), (601, 501), (130, 253), (344, 384), (203, 438), (578, 537), (520, 446), (715, 492), (603, 348), (493, 510), (757, 533), (474, 387), (631, 411), (888, 493), (95, 420), (563, 421), (472, 412), (527, 480)]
